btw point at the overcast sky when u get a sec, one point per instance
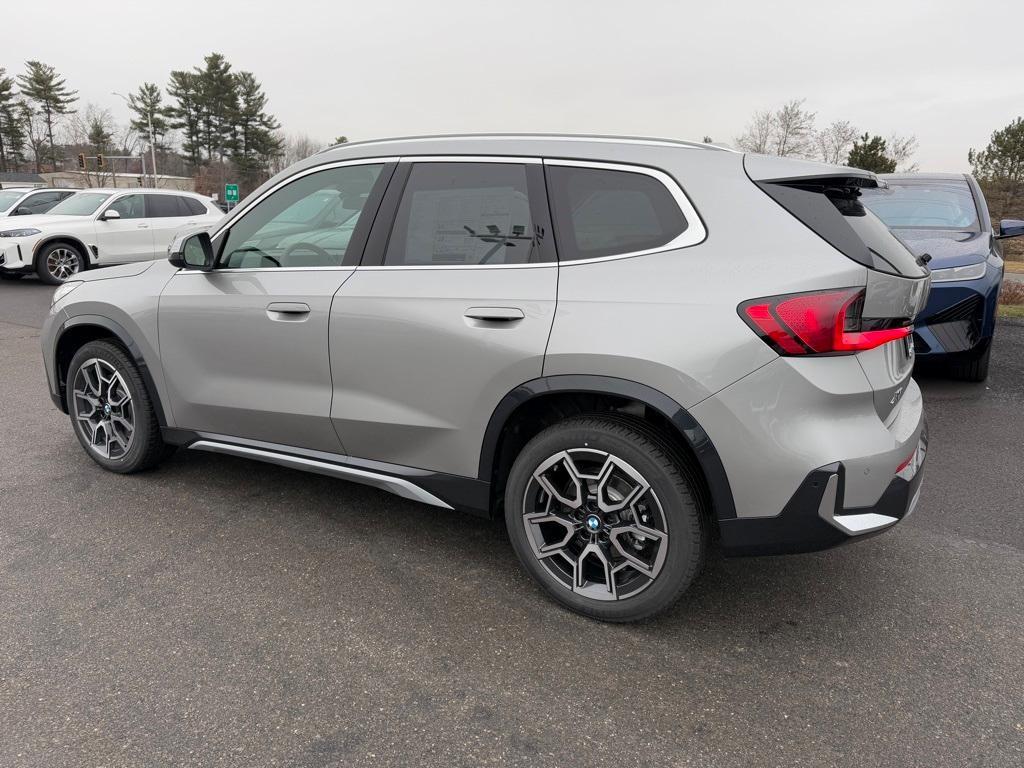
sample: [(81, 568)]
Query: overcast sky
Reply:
[(948, 72)]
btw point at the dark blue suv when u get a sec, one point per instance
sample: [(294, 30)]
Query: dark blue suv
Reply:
[(945, 216)]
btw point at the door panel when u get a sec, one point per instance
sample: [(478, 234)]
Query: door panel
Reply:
[(129, 238), (416, 380), (245, 353)]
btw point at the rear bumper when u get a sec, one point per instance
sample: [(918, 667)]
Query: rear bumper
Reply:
[(814, 519), (959, 318)]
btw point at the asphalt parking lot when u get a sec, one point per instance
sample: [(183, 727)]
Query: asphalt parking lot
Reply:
[(221, 612)]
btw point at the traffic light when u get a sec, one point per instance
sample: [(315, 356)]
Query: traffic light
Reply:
[(99, 161), (81, 161)]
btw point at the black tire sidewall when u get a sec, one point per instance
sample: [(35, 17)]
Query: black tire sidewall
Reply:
[(687, 535), (137, 455), (44, 273)]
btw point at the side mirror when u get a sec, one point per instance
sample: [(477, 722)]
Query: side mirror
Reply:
[(1010, 228), (23, 211), (110, 215), (193, 251)]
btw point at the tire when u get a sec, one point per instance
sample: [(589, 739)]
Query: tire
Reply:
[(11, 275), (663, 528), (972, 370), (99, 378), (57, 262)]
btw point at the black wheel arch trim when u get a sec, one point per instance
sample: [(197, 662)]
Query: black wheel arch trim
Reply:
[(86, 252), (122, 335), (685, 424)]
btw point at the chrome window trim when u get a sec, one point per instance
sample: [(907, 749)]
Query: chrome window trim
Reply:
[(694, 234)]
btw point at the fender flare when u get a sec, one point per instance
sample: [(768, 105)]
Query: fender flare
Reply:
[(689, 430), (119, 332)]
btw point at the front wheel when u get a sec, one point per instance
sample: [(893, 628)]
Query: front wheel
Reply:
[(111, 410), (603, 514), (58, 262)]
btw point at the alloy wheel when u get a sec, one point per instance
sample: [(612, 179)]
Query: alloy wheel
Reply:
[(103, 408), (595, 524), (62, 263)]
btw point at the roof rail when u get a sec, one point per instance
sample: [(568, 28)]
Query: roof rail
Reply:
[(597, 138)]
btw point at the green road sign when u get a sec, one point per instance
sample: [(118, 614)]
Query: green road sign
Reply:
[(230, 193)]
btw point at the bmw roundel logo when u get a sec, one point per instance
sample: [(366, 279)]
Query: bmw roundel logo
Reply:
[(593, 523)]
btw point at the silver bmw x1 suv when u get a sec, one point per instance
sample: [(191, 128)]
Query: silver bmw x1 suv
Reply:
[(632, 349)]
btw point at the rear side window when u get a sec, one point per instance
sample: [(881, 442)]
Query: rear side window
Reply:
[(163, 206), (454, 213), (602, 212)]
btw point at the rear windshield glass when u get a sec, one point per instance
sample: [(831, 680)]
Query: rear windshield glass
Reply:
[(925, 204), (81, 204)]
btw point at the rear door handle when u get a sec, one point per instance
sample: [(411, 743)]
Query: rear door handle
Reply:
[(495, 314), (287, 311), (143, 226)]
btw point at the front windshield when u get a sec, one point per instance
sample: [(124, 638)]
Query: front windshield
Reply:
[(7, 199), (80, 204), (924, 204)]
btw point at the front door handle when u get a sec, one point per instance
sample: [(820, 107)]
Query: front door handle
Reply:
[(287, 311), (143, 226), (495, 314)]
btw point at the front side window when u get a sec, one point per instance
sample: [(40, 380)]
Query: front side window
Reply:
[(129, 206), (601, 212), (307, 223), (80, 204), (924, 204), (458, 214)]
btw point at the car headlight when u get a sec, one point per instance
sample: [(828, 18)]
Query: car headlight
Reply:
[(64, 290), (19, 232), (970, 272)]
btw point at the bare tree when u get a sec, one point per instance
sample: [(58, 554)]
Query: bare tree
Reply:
[(794, 130), (787, 131), (296, 147), (35, 133), (833, 142), (757, 136), (901, 149)]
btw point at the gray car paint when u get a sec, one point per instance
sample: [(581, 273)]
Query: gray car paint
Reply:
[(414, 382)]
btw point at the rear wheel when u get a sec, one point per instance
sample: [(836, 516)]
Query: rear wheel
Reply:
[(972, 370), (600, 511), (57, 262), (111, 410)]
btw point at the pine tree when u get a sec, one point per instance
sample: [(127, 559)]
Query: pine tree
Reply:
[(869, 154), (50, 96), (254, 131), (11, 134), (187, 113), (218, 99), (1000, 169), (147, 107)]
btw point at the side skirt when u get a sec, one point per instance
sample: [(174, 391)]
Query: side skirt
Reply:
[(434, 488)]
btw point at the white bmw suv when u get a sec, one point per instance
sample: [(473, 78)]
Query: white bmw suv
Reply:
[(98, 227)]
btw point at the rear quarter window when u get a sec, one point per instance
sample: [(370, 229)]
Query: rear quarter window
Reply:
[(603, 212)]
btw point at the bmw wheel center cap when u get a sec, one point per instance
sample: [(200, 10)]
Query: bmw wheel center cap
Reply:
[(593, 523)]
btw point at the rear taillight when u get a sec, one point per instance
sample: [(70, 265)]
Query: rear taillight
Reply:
[(819, 323)]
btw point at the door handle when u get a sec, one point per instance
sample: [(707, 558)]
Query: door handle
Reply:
[(495, 314), (143, 226), (287, 311)]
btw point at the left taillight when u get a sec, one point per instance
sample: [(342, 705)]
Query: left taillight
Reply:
[(819, 323)]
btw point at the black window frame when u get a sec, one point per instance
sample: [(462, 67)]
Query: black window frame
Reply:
[(380, 235), (361, 233)]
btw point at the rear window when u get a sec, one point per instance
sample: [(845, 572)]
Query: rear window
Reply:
[(925, 204), (833, 208), (601, 212)]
